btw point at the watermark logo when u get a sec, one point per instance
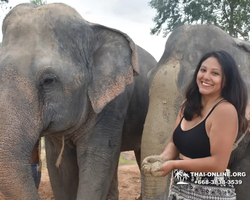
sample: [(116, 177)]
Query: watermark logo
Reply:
[(213, 178), (227, 173), (181, 176)]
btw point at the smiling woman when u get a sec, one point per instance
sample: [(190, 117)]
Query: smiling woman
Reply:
[(205, 130), (209, 77)]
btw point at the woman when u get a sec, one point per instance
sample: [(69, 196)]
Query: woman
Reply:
[(205, 130)]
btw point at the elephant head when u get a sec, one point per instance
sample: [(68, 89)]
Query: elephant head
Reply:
[(56, 70), (169, 79)]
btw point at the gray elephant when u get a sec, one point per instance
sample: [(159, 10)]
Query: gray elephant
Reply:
[(77, 84), (169, 79)]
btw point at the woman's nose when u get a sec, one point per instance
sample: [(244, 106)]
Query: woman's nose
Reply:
[(206, 76)]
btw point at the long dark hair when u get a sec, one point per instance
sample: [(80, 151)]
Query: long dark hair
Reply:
[(234, 90)]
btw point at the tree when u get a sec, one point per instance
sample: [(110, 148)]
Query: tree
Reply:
[(38, 2), (233, 16), (4, 7), (3, 2)]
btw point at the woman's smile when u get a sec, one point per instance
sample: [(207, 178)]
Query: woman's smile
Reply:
[(205, 84), (209, 77)]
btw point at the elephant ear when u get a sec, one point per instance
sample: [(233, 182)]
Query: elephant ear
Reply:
[(114, 64), (243, 44)]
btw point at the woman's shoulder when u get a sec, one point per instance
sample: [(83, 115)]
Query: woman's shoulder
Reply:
[(226, 105), (224, 120), (224, 110)]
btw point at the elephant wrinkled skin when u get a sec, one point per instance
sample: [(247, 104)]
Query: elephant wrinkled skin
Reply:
[(83, 86), (169, 79)]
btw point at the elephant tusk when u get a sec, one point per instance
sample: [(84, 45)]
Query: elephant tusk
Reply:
[(235, 145), (59, 159), (39, 168)]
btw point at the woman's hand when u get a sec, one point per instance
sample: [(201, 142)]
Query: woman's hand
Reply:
[(166, 168), (157, 166), (152, 165)]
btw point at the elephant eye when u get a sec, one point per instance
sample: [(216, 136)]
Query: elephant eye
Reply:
[(48, 80)]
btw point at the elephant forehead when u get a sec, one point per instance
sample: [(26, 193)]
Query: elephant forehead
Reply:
[(42, 25), (35, 16), (41, 34), (22, 63)]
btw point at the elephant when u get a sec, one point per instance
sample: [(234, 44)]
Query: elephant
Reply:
[(82, 86), (169, 79)]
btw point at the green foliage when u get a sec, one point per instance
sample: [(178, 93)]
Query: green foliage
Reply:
[(4, 7), (233, 16), (38, 2), (124, 161)]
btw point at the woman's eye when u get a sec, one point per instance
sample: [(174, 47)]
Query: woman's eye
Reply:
[(202, 70), (215, 73)]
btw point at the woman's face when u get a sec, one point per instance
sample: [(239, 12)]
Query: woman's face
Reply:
[(209, 77)]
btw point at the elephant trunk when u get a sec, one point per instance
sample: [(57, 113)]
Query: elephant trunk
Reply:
[(164, 101), (19, 132), (16, 180), (151, 189)]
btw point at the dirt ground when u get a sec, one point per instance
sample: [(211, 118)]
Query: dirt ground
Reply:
[(128, 177)]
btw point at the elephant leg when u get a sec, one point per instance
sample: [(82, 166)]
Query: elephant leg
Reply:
[(113, 190), (138, 160), (98, 162), (138, 157), (64, 179)]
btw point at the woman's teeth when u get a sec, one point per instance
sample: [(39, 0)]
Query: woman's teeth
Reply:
[(205, 84)]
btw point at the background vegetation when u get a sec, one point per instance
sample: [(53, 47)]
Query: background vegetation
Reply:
[(233, 16)]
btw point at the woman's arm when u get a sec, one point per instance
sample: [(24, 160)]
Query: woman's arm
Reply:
[(222, 129)]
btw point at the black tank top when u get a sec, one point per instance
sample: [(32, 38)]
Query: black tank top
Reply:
[(193, 143)]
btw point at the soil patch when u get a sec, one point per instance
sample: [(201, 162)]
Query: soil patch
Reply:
[(128, 177)]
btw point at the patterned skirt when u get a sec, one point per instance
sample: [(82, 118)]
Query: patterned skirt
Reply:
[(200, 186)]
